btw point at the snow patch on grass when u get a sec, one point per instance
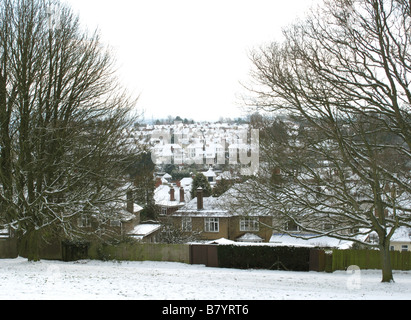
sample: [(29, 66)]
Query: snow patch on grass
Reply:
[(90, 279)]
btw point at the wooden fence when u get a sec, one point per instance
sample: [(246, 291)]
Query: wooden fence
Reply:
[(263, 257), (305, 259), (204, 254), (369, 259), (140, 252), (8, 249)]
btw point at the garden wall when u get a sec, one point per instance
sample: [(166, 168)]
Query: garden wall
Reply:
[(140, 252)]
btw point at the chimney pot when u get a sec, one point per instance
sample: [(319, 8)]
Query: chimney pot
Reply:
[(200, 198), (130, 202), (172, 198), (182, 195)]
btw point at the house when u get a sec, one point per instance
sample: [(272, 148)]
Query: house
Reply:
[(116, 220), (4, 233), (213, 219), (195, 152), (168, 199), (129, 218), (214, 153), (146, 232), (186, 183), (168, 153), (130, 224), (211, 176), (401, 240), (125, 221)]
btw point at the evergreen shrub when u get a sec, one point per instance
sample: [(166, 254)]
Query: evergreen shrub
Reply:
[(264, 257)]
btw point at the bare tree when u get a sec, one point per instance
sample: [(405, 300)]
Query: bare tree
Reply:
[(343, 169), (173, 233), (63, 118)]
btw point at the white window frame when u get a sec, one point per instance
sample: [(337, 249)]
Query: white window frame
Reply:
[(84, 221), (115, 223), (211, 224), (186, 224), (249, 224), (328, 226), (291, 226)]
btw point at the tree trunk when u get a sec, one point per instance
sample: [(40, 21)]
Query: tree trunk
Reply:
[(386, 267), (30, 245)]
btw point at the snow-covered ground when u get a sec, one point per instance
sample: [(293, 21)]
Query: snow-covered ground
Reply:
[(88, 279)]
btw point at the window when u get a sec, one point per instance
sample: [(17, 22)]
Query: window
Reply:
[(292, 226), (115, 223), (328, 226), (84, 221), (404, 247), (4, 233), (249, 224), (211, 224), (186, 224), (373, 238), (164, 211)]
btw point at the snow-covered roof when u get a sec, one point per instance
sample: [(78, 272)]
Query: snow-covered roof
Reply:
[(282, 239), (227, 175), (126, 215), (119, 209), (250, 237), (223, 206), (137, 208), (210, 173), (186, 182), (232, 200), (142, 230), (211, 208), (221, 241), (195, 145), (402, 234), (162, 196)]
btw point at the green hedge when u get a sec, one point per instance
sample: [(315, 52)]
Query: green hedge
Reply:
[(264, 257)]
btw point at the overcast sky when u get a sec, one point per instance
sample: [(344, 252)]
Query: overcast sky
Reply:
[(187, 57)]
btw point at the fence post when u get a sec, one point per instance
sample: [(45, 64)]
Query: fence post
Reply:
[(317, 260)]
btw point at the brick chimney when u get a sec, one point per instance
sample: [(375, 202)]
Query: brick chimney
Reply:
[(130, 201), (200, 198), (172, 198), (182, 194)]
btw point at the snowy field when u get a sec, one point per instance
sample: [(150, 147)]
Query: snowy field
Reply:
[(87, 279)]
